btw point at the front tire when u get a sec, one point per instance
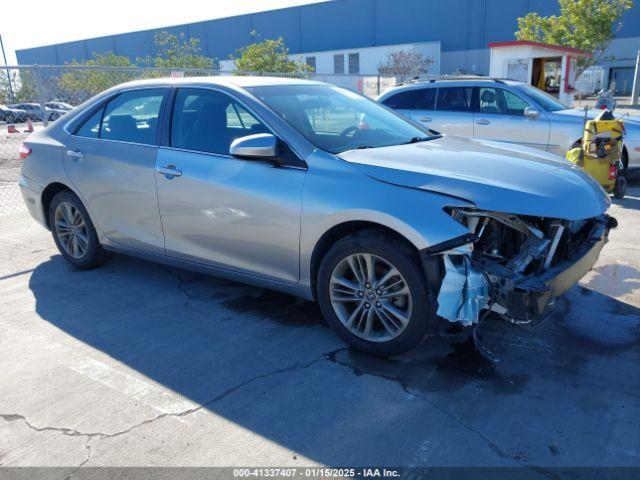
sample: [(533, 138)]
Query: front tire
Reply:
[(74, 233), (373, 293)]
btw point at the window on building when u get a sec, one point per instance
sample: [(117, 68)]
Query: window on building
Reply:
[(456, 99), (338, 63), (311, 63), (208, 121), (354, 63)]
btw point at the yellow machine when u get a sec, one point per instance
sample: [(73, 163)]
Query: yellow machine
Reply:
[(600, 152)]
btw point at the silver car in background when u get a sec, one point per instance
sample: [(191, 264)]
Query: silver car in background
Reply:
[(503, 111), (316, 191)]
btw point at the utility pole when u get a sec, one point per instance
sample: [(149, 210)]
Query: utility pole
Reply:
[(635, 92), (8, 73)]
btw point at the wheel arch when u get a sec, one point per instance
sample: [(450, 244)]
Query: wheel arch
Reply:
[(48, 193), (344, 229), (625, 158)]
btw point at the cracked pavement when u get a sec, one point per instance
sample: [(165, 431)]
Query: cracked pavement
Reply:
[(136, 364)]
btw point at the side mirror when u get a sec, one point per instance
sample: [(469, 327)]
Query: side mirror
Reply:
[(258, 146), (531, 112)]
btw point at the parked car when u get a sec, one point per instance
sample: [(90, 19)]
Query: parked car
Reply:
[(59, 106), (12, 115), (277, 183), (34, 111), (501, 110)]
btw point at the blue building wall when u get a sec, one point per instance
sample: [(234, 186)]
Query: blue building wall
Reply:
[(464, 28)]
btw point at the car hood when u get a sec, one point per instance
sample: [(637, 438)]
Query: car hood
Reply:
[(492, 175)]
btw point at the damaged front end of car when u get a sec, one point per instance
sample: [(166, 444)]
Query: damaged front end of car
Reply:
[(514, 265)]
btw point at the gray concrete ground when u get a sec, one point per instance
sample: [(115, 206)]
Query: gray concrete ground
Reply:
[(135, 364)]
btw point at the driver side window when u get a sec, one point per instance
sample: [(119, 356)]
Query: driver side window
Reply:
[(208, 121), (500, 101)]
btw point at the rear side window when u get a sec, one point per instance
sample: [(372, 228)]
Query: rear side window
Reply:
[(129, 117), (426, 99), (457, 99), (91, 127), (403, 100), (208, 121)]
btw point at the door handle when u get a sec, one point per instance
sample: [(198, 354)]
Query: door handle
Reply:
[(483, 121), (425, 119), (169, 171), (76, 154)]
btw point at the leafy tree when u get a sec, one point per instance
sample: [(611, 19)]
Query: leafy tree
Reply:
[(589, 25), (78, 84), (267, 56), (405, 63), (175, 51), (8, 84)]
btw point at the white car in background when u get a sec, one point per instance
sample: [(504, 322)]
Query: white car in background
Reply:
[(501, 110)]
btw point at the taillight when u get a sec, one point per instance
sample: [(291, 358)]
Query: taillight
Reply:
[(613, 172), (24, 151)]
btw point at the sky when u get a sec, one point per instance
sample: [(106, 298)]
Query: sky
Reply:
[(33, 23)]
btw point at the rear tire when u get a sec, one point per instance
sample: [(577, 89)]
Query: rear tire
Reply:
[(74, 233), (373, 293)]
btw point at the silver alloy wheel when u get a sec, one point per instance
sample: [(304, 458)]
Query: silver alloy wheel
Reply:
[(71, 230), (370, 297)]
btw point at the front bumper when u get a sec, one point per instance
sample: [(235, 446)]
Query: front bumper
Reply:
[(533, 297)]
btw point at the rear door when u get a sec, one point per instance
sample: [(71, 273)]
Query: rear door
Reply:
[(110, 161), (453, 113), (501, 117)]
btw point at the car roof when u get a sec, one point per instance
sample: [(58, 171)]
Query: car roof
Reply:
[(452, 82), (241, 81)]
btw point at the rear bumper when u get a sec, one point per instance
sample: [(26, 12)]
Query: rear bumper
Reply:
[(533, 297), (32, 195)]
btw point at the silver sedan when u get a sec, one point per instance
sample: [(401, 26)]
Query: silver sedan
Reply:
[(319, 192), (502, 111)]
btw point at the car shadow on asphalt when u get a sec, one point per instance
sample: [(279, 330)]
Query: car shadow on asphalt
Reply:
[(268, 362)]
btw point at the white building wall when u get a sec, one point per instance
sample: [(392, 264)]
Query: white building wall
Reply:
[(370, 58)]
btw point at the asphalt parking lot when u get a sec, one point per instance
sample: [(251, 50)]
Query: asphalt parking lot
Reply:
[(136, 364)]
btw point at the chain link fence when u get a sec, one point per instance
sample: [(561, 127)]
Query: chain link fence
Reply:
[(33, 96)]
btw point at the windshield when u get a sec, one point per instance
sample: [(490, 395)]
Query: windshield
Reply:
[(546, 101), (335, 119)]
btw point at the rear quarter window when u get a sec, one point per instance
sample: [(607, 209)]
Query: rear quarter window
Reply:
[(405, 100)]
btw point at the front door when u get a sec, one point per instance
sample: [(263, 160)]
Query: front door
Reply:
[(110, 161), (231, 213), (500, 117)]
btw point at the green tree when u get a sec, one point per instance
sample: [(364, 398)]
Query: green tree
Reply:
[(589, 25), (86, 79), (175, 51), (267, 56)]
